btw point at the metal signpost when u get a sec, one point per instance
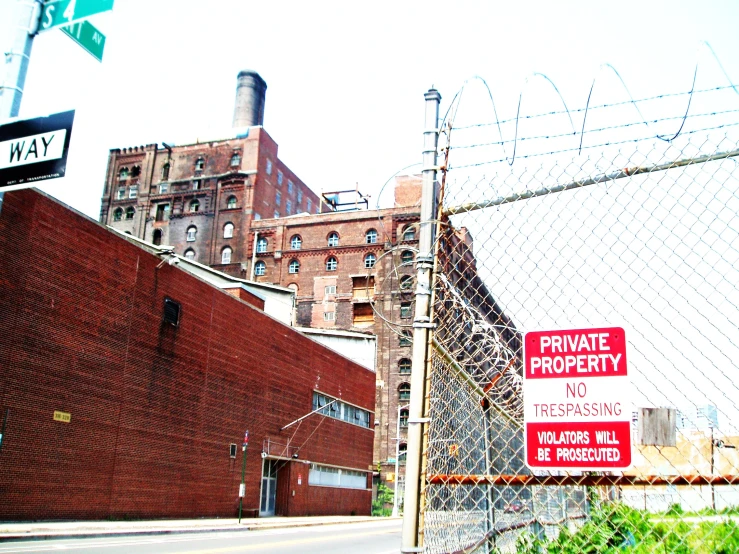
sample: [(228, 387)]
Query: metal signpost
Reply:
[(242, 487), (33, 150), (577, 408)]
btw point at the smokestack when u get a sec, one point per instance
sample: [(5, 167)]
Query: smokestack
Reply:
[(249, 106)]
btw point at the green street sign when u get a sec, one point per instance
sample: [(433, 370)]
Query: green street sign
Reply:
[(88, 37), (64, 12)]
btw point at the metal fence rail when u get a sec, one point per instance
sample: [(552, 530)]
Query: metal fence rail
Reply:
[(645, 237)]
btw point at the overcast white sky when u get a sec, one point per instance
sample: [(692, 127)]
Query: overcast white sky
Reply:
[(345, 79)]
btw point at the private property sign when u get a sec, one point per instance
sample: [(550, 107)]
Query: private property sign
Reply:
[(33, 150), (577, 412)]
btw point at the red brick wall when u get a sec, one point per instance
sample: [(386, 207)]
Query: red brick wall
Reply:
[(153, 407)]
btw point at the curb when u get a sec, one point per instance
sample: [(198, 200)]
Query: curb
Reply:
[(52, 535)]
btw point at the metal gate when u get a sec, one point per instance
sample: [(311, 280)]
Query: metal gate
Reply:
[(624, 220)]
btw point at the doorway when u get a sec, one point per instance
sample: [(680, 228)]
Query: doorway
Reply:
[(269, 487)]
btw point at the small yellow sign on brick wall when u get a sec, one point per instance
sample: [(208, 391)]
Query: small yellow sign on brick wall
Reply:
[(64, 417)]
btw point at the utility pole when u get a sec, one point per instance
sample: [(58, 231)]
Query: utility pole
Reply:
[(22, 17), (421, 327), (242, 488)]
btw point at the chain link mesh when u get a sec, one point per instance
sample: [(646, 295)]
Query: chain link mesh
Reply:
[(643, 236)]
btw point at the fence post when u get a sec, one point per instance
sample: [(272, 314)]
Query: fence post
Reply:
[(424, 264)]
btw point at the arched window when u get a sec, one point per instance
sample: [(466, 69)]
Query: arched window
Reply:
[(333, 238), (228, 230), (404, 391), (118, 214), (200, 164), (130, 212), (331, 264), (190, 254), (369, 261), (409, 233), (296, 242), (135, 171), (294, 266), (371, 236), (261, 245), (157, 237), (404, 365), (235, 160), (403, 418), (407, 257), (231, 203), (406, 282), (194, 206), (192, 233), (226, 255), (260, 268), (123, 174), (165, 171)]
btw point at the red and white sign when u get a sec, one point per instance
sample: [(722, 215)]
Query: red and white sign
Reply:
[(577, 411)]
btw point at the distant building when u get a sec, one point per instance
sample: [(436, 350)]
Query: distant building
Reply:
[(201, 198), (128, 384)]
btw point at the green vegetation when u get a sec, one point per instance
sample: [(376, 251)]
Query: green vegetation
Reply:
[(383, 505), (616, 528)]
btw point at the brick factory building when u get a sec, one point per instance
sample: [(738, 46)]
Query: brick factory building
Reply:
[(128, 383)]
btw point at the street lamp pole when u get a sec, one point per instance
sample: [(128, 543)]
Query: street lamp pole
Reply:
[(242, 488), (397, 460)]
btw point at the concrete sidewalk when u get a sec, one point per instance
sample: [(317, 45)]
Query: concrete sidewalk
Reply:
[(44, 530)]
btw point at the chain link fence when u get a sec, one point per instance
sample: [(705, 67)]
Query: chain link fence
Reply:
[(639, 230)]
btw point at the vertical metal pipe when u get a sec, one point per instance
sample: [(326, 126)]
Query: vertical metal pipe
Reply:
[(254, 255), (421, 325), (17, 52)]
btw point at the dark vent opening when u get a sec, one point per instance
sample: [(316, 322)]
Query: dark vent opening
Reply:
[(232, 450), (171, 312)]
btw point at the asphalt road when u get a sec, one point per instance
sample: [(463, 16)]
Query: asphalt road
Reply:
[(363, 538)]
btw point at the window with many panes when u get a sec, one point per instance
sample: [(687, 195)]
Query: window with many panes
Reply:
[(407, 257), (290, 186), (165, 171), (231, 203), (226, 255), (288, 207), (331, 264), (194, 206), (405, 339), (409, 233), (260, 268), (404, 365), (235, 160), (329, 289), (123, 174), (261, 245), (162, 213), (404, 417), (334, 408), (406, 311), (268, 168), (308, 203), (228, 230), (296, 242), (200, 164), (406, 282), (404, 391), (333, 239), (371, 236), (369, 261), (279, 177), (300, 196), (121, 194), (133, 191), (163, 187), (325, 476), (278, 198), (294, 267), (329, 316)]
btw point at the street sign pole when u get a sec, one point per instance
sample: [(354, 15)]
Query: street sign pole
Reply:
[(17, 56), (242, 488)]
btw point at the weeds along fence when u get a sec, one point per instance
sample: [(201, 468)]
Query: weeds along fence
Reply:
[(623, 219)]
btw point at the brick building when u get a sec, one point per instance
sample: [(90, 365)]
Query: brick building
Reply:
[(127, 385), (201, 198), (354, 271)]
